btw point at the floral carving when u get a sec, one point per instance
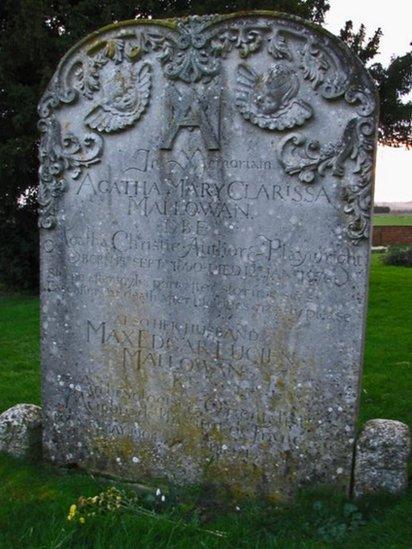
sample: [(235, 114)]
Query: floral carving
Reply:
[(187, 55), (278, 48), (304, 158), (87, 77), (322, 69), (194, 53), (114, 50), (269, 100), (86, 70), (357, 197), (247, 39), (59, 155), (190, 51), (125, 102), (313, 64), (122, 48)]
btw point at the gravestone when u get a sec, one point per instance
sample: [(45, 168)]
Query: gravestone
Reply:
[(205, 199)]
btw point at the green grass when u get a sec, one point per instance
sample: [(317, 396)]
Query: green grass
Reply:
[(34, 499), (19, 351), (388, 219), (387, 377)]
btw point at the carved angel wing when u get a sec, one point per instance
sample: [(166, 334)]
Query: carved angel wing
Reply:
[(125, 103), (269, 100), (293, 115), (246, 81)]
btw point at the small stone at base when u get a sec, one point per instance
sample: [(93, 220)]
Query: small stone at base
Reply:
[(382, 453), (21, 431)]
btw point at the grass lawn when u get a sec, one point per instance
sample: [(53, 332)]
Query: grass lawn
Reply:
[(34, 499), (388, 219)]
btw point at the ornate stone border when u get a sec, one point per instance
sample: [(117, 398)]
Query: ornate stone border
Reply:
[(191, 52)]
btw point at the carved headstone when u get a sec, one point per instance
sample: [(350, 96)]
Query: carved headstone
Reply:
[(205, 193)]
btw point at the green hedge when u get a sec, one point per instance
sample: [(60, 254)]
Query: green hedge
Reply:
[(399, 256)]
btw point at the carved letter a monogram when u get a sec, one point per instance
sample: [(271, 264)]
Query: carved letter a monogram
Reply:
[(193, 108)]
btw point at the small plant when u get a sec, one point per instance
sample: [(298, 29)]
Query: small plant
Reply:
[(109, 500), (116, 501), (332, 528), (398, 256)]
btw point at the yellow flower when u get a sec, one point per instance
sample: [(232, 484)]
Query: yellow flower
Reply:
[(82, 520), (72, 512)]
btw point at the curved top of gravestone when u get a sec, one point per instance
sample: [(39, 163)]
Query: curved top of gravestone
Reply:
[(190, 50), (208, 32)]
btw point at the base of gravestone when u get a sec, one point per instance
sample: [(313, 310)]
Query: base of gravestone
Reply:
[(382, 452)]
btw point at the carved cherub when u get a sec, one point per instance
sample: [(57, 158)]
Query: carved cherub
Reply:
[(269, 99), (126, 99)]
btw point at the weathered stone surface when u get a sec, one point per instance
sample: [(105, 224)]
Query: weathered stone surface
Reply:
[(21, 431), (382, 452), (205, 198)]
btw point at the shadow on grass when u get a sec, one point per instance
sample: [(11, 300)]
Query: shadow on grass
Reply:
[(35, 501)]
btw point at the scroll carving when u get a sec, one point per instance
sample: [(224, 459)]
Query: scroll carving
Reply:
[(307, 159), (59, 155), (247, 39), (322, 69)]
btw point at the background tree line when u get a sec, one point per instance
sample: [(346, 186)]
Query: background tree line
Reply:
[(34, 35)]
